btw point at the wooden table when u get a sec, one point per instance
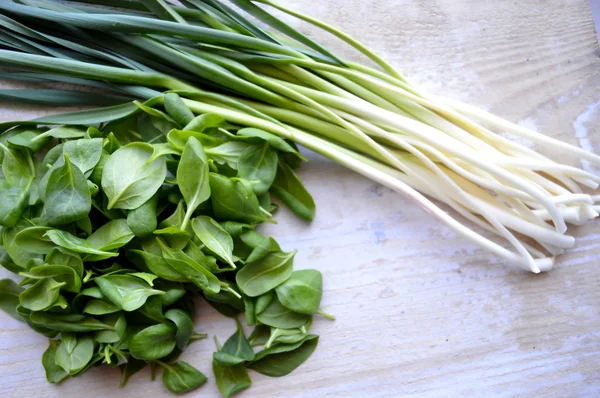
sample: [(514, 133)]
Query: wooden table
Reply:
[(420, 312)]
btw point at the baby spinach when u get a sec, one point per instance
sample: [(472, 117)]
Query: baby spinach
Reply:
[(283, 359), (126, 292), (288, 187), (9, 297), (143, 220), (236, 349), (68, 322), (63, 257), (265, 274), (177, 109), (278, 316), (33, 240), (230, 379), (214, 237), (112, 235), (13, 204), (192, 177), (153, 342), (302, 291), (185, 327), (58, 273), (77, 245), (180, 377), (128, 180), (54, 373), (74, 352), (67, 197), (228, 153), (41, 295), (258, 164), (233, 200)]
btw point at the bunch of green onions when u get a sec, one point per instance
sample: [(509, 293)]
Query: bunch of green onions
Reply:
[(268, 75)]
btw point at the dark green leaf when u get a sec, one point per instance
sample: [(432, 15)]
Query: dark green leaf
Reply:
[(266, 246), (142, 221), (180, 377), (100, 307), (127, 292), (74, 352), (118, 322), (233, 200), (278, 316), (54, 373), (192, 177), (128, 180), (9, 297), (67, 196), (265, 274), (214, 237), (156, 264), (131, 367), (236, 349), (291, 191), (33, 240), (59, 273), (68, 323), (24, 139), (14, 202), (283, 359), (112, 235), (258, 164), (185, 326), (41, 295), (153, 342), (302, 292)]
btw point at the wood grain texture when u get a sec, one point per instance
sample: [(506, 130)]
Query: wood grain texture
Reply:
[(419, 311)]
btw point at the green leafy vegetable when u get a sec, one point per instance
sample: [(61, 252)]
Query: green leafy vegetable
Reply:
[(180, 377)]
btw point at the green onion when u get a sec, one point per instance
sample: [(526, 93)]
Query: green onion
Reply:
[(375, 121)]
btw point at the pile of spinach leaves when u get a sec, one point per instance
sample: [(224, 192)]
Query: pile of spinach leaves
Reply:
[(115, 228)]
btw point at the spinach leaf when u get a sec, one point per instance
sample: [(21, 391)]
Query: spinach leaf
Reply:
[(184, 324), (112, 235), (100, 307), (258, 164), (180, 377), (262, 302), (67, 196), (214, 237), (178, 139), (74, 352), (145, 276), (143, 220), (24, 140), (85, 153), (41, 295), (9, 297), (153, 342), (228, 153), (54, 373), (130, 186), (163, 149), (288, 187), (194, 272), (60, 256), (126, 292), (59, 273), (283, 359), (156, 264), (232, 200), (78, 245), (267, 245), (231, 379), (236, 349), (205, 121), (68, 322), (17, 166), (62, 132), (302, 291), (119, 324), (278, 316), (33, 240), (265, 274), (192, 177), (13, 203)]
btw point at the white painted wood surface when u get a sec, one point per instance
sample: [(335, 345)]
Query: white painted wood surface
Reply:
[(419, 311)]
